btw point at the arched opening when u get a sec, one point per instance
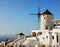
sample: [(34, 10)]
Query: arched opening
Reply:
[(39, 33), (57, 38), (33, 34)]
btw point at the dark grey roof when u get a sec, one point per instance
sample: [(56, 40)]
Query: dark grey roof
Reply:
[(21, 34), (47, 12)]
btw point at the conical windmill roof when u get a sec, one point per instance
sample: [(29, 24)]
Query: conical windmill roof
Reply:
[(47, 12)]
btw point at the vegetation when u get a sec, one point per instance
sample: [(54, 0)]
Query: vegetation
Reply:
[(22, 45), (42, 45), (2, 46)]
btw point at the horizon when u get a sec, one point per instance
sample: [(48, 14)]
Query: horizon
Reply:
[(15, 18)]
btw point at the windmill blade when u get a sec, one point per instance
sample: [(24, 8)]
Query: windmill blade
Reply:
[(33, 14), (39, 14), (38, 6), (39, 21), (36, 14)]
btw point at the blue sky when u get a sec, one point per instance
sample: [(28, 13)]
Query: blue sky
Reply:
[(15, 18)]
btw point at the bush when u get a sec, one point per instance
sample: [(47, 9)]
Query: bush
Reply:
[(43, 45), (22, 45)]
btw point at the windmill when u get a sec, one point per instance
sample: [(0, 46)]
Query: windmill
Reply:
[(38, 14)]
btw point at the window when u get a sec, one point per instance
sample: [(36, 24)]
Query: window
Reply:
[(57, 38), (39, 33), (43, 38), (47, 37), (53, 45), (52, 37), (46, 27), (44, 17), (33, 34)]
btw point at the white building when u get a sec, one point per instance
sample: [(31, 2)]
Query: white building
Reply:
[(49, 32), (48, 35)]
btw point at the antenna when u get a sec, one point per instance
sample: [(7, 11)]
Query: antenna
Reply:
[(38, 14)]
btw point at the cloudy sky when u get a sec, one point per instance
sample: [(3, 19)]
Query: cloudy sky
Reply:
[(15, 18)]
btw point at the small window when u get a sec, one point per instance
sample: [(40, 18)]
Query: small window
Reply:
[(33, 34), (52, 37), (46, 27), (47, 37), (44, 17), (57, 37), (43, 38)]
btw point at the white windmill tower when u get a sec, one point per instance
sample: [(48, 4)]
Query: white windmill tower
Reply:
[(46, 20)]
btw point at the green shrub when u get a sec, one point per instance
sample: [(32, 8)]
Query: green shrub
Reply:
[(43, 45), (20, 45), (23, 45)]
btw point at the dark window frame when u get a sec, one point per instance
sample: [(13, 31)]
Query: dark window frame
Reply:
[(52, 37), (46, 27), (57, 38), (46, 37)]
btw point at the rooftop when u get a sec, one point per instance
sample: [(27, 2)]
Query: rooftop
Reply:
[(56, 20), (47, 12)]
